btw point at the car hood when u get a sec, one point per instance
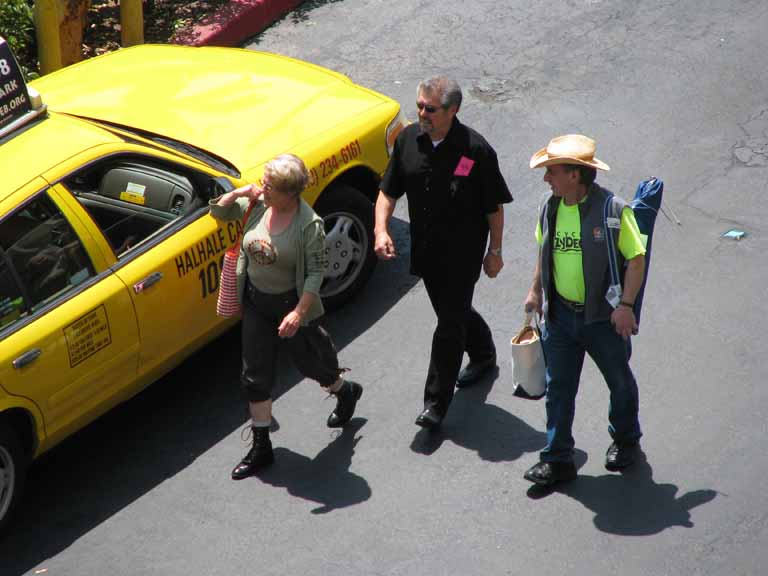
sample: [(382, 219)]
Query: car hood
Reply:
[(242, 105)]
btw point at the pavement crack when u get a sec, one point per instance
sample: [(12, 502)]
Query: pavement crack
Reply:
[(752, 151)]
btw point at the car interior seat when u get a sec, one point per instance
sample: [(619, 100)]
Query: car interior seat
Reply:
[(149, 187)]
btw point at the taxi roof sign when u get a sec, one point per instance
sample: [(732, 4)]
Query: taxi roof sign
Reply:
[(18, 104)]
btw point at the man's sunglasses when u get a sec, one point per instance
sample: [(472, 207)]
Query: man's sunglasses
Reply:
[(426, 107)]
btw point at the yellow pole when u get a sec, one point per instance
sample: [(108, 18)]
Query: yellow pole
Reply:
[(47, 21), (131, 22)]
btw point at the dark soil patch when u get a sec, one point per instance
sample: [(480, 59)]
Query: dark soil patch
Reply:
[(162, 19)]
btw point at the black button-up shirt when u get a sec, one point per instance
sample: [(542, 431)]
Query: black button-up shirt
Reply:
[(448, 201)]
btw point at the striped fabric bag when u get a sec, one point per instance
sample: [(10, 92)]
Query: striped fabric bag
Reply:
[(227, 303)]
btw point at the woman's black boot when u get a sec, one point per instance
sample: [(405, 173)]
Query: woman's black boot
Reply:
[(259, 456), (346, 400)]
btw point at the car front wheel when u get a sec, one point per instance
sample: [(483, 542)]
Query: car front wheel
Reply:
[(12, 473), (349, 219)]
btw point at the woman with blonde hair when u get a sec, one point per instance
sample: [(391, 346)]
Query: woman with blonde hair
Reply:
[(280, 271)]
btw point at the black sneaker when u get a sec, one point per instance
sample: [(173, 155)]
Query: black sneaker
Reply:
[(620, 456), (550, 473), (474, 371), (346, 400)]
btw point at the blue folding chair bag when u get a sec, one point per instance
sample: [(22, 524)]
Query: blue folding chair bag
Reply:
[(645, 204)]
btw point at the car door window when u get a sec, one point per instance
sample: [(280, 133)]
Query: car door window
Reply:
[(132, 198), (41, 258), (11, 299)]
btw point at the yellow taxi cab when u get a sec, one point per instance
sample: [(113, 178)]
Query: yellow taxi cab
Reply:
[(109, 260)]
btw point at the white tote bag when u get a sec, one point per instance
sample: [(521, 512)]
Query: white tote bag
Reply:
[(527, 358)]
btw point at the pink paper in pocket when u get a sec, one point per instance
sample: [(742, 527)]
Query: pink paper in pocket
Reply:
[(464, 167)]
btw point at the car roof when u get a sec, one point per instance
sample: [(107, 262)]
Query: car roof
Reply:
[(242, 105), (43, 144)]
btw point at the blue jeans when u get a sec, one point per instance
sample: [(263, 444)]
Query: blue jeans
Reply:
[(565, 339)]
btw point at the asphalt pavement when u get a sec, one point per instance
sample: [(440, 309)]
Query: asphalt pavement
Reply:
[(671, 89)]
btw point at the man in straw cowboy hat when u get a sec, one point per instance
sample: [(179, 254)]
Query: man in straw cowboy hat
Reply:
[(582, 311)]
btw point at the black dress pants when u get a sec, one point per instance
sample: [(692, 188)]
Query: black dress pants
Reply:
[(460, 328), (311, 349)]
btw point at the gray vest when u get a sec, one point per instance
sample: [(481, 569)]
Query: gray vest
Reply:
[(594, 253)]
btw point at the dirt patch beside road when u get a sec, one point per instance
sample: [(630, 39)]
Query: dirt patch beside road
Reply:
[(162, 19)]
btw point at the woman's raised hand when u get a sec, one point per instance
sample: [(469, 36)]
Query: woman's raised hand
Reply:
[(250, 191)]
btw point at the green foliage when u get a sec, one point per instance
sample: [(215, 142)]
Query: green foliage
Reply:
[(18, 28)]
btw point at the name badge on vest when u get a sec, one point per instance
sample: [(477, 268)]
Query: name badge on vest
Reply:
[(597, 234), (613, 295), (614, 223)]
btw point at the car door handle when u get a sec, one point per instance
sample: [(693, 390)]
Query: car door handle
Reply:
[(27, 358), (142, 285)]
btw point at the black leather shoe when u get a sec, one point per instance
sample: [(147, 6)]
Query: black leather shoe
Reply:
[(259, 456), (620, 456), (346, 400), (550, 473), (429, 419), (474, 371)]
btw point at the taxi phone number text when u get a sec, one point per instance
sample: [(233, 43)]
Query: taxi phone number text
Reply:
[(334, 162)]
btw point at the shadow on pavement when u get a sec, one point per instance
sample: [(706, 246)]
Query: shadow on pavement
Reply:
[(473, 423), (326, 478), (139, 444), (302, 12), (631, 503)]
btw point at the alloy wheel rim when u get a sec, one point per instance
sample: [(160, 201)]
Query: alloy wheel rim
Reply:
[(346, 246)]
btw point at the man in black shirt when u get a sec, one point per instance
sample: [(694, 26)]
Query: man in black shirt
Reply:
[(455, 192)]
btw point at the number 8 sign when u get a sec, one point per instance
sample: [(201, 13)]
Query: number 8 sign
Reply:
[(14, 99)]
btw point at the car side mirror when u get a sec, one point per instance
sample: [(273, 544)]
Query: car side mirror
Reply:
[(220, 185)]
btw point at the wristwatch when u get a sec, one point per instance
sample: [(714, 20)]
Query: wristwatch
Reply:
[(494, 251)]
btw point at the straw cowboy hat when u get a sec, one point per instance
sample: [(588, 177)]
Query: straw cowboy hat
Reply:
[(568, 149)]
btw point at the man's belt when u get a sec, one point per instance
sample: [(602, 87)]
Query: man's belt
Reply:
[(571, 305)]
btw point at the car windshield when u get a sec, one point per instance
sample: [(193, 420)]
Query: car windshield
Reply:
[(212, 160)]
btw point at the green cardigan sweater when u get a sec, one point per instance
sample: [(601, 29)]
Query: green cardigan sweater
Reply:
[(311, 259)]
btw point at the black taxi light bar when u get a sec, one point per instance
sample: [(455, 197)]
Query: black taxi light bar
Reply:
[(19, 104)]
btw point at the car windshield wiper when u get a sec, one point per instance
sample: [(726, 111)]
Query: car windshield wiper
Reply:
[(198, 153), (214, 161)]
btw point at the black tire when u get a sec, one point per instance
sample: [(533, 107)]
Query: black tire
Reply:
[(13, 472), (349, 219)]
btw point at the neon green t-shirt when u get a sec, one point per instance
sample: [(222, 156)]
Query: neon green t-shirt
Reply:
[(568, 273)]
